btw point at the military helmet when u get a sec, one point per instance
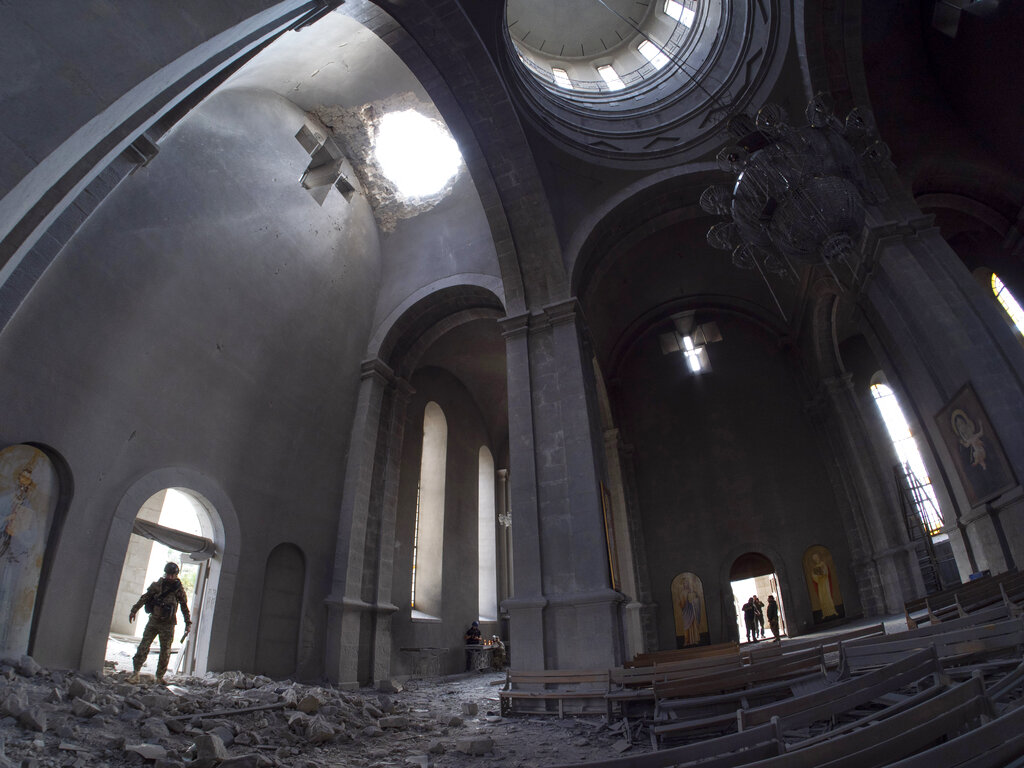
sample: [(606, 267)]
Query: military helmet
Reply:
[(171, 569)]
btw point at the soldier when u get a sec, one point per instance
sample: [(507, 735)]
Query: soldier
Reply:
[(161, 600)]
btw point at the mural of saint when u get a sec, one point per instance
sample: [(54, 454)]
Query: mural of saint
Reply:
[(822, 584), (28, 500), (969, 437), (690, 611)]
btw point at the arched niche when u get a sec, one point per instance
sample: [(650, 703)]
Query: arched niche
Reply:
[(823, 585), (29, 496), (277, 639), (690, 610)]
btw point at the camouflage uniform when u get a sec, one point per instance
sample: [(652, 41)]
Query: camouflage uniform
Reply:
[(161, 621)]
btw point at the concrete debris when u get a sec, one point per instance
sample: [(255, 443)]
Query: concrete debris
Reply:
[(61, 719), (475, 745)]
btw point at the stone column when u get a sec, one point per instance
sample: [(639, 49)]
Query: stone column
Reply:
[(504, 537), (384, 609), (884, 560), (564, 613), (941, 331), (347, 661), (629, 584)]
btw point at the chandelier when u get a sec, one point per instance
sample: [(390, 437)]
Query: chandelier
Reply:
[(800, 192)]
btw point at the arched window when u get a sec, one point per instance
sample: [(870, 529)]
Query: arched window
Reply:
[(914, 470), (486, 551), (428, 536), (1004, 297)]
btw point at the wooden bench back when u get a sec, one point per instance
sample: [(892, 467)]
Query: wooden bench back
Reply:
[(576, 678), (980, 639), (681, 654), (992, 745), (846, 695), (905, 733), (785, 666)]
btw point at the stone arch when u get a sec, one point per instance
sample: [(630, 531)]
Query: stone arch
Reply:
[(425, 310), (782, 570), (212, 634)]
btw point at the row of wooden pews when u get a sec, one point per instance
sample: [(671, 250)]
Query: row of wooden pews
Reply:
[(964, 599), (947, 695)]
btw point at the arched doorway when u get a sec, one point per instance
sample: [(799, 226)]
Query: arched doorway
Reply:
[(173, 525), (754, 574)]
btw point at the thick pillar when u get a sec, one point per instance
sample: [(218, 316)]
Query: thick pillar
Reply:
[(349, 615), (564, 613), (384, 608)]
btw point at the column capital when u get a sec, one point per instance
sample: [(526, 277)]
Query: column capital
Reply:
[(562, 312), (375, 368), (515, 325)]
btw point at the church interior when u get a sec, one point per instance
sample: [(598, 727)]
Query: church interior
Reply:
[(583, 320)]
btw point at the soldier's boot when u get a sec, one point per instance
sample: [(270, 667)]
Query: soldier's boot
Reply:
[(134, 677), (161, 681)]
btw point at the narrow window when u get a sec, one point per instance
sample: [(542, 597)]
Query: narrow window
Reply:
[(685, 13), (611, 78), (486, 549), (909, 456), (561, 78), (1004, 297), (428, 534), (653, 54)]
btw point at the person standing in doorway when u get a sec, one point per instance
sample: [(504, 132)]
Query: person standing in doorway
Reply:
[(772, 611), (162, 601), (759, 608), (750, 620)]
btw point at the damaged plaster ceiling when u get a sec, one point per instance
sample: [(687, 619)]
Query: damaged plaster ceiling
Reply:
[(356, 130)]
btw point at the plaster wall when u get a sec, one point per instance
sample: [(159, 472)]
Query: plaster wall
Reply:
[(196, 321), (726, 463), (466, 433), (64, 63)]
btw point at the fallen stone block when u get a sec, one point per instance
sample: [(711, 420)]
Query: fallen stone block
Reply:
[(475, 745), (371, 731), (452, 721), (27, 666), (82, 690), (147, 751), (34, 719), (621, 746), (83, 708), (319, 730), (394, 721), (210, 747), (470, 708), (309, 704)]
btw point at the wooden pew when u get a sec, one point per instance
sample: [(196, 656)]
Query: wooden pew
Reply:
[(991, 745), (636, 686), (826, 702), (568, 684), (847, 695), (944, 604), (829, 643), (724, 752), (786, 666), (956, 645), (903, 734), (681, 654)]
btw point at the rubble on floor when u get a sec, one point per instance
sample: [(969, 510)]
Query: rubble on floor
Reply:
[(63, 719)]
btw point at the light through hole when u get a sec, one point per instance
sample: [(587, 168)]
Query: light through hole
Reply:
[(416, 153)]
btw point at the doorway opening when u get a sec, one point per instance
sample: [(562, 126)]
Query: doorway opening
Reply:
[(173, 525), (752, 574)]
